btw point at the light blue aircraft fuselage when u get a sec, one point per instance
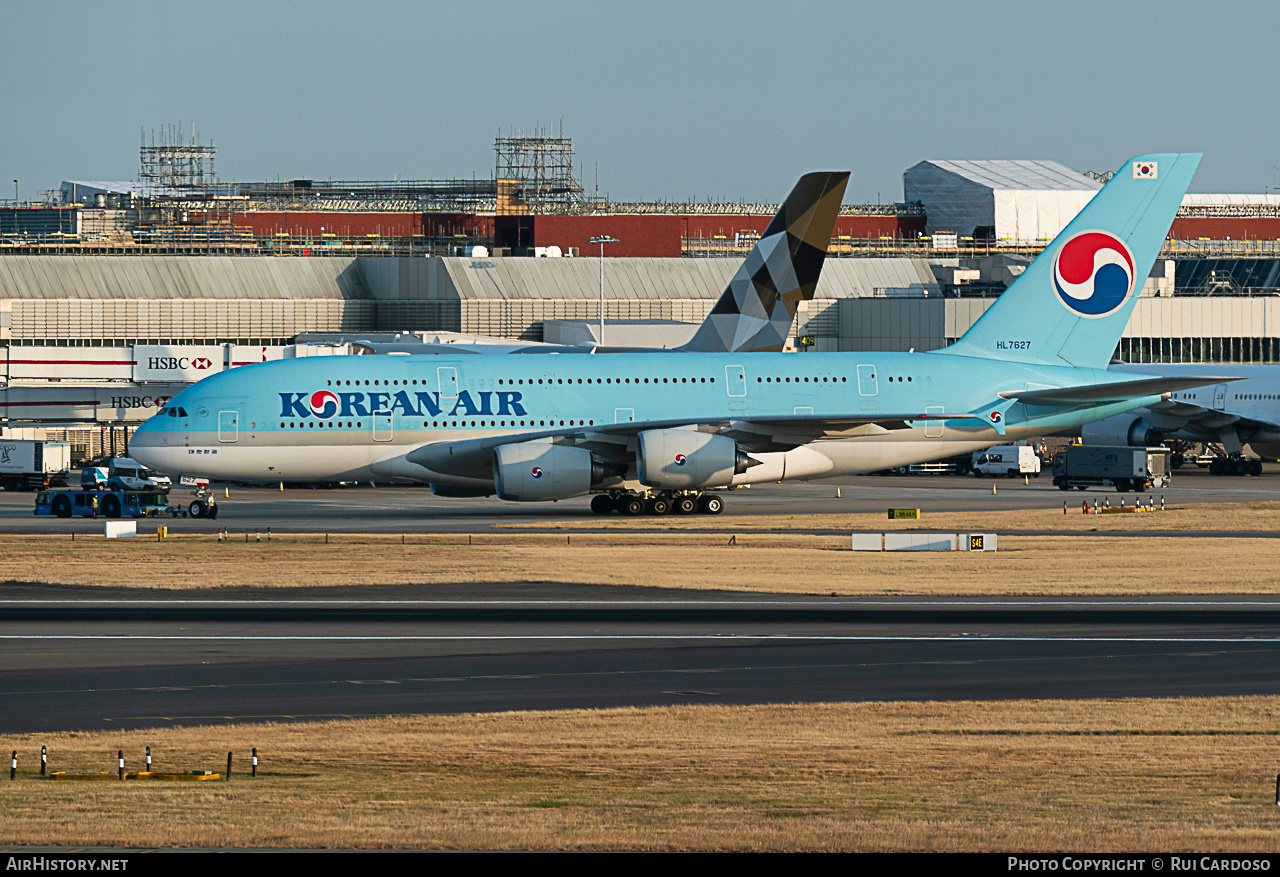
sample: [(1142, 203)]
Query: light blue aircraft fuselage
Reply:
[(548, 426), (257, 422)]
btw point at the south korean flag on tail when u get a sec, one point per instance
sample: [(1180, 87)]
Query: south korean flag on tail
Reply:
[(1146, 170)]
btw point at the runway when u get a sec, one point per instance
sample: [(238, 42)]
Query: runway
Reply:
[(87, 660)]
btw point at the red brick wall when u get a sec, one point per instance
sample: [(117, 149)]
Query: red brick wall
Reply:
[(709, 225), (638, 235), (1238, 228)]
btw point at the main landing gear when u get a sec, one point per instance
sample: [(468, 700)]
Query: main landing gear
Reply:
[(661, 503), (1235, 464)]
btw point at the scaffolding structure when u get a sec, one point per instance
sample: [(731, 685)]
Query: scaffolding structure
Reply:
[(534, 174), (176, 167), (456, 196)]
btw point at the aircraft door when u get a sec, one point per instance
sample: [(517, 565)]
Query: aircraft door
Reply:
[(228, 426), (624, 415), (933, 428), (1219, 397), (867, 384), (448, 382), (735, 378), (382, 431)]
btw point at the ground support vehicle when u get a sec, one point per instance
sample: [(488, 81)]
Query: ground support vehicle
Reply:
[(1125, 468), (122, 473), (102, 503), (32, 465), (960, 464), (1011, 460)]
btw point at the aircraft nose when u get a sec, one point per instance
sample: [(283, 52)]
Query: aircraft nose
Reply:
[(144, 443)]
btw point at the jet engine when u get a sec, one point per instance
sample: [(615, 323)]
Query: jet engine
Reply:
[(541, 471), (1122, 429), (682, 459)]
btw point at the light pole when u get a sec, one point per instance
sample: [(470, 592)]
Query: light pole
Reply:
[(602, 240)]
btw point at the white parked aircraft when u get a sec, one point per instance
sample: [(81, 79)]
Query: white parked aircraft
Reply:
[(1243, 412)]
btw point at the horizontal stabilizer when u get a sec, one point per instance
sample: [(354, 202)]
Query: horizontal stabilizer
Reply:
[(1119, 391)]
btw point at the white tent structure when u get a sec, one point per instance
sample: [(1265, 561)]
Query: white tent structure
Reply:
[(1024, 201)]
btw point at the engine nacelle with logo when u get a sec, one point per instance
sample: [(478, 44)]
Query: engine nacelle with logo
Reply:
[(541, 471), (1123, 429), (684, 459)]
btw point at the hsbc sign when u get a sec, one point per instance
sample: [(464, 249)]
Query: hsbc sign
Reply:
[(180, 363), (175, 363)]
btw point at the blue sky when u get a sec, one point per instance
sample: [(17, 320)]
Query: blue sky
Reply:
[(671, 100)]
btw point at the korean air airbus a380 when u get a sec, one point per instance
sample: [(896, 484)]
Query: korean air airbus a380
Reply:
[(655, 430)]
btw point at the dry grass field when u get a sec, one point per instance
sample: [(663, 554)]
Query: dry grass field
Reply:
[(1160, 775), (768, 552), (1166, 775)]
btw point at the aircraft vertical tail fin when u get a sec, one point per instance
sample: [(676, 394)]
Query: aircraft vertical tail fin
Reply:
[(1072, 303), (756, 309)]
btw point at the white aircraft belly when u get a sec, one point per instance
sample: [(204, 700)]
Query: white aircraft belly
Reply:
[(242, 462)]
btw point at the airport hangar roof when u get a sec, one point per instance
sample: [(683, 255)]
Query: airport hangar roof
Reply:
[(640, 278), (1024, 174), (1026, 200), (408, 279)]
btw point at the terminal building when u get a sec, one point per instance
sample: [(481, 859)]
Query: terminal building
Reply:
[(101, 282)]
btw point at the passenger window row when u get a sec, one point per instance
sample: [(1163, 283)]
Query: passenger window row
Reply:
[(799, 380)]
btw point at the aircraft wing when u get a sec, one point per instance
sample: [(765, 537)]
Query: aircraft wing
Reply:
[(473, 457), (1197, 423), (1117, 391)]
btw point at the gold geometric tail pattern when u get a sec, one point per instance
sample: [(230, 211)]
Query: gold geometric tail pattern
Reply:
[(755, 311)]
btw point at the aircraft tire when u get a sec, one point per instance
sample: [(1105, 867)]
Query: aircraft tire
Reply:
[(685, 505), (659, 505), (633, 506), (602, 504), (197, 508), (1255, 467), (710, 504), (1215, 467)]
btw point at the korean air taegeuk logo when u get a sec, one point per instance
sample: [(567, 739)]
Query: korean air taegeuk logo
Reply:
[(1093, 273)]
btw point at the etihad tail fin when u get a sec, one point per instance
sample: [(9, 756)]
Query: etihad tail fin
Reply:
[(1072, 303), (757, 307)]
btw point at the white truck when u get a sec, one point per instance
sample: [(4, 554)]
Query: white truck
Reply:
[(33, 465), (1011, 460), (123, 473)]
